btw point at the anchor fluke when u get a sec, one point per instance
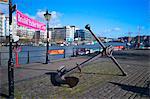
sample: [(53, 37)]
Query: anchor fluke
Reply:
[(58, 78)]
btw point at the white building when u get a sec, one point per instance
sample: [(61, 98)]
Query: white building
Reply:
[(6, 26), (2, 24), (70, 30)]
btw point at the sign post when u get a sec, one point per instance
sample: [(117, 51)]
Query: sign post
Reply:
[(10, 61)]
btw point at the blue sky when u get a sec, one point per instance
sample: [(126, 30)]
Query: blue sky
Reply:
[(110, 18)]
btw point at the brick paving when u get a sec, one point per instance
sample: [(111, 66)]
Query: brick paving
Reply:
[(134, 86), (130, 87)]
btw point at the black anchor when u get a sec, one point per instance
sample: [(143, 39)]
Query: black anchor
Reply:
[(62, 74)]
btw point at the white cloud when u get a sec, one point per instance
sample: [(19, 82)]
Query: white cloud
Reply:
[(4, 8), (116, 29), (40, 15), (54, 21), (112, 32), (140, 27), (107, 30), (54, 14), (33, 17), (55, 18)]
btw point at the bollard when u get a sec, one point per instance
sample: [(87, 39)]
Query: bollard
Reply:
[(17, 59), (16, 51), (0, 58), (89, 51), (77, 52), (73, 52), (64, 53), (28, 57)]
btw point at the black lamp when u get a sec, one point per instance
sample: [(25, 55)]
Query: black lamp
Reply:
[(47, 18)]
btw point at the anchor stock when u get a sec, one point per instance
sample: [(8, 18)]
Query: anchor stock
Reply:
[(107, 50)]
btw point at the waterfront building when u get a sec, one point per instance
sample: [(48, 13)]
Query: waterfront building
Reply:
[(83, 35), (58, 35), (4, 27), (25, 34), (144, 40), (62, 34), (2, 24), (70, 30), (31, 36)]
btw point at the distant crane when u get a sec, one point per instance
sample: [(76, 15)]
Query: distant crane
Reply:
[(129, 38), (139, 29)]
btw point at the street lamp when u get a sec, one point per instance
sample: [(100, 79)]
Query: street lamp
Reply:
[(47, 18)]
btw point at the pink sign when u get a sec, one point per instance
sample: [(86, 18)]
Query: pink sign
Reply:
[(25, 21)]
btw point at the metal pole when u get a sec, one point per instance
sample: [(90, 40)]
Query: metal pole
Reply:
[(47, 46), (0, 58), (10, 61), (64, 53), (139, 37), (73, 52), (28, 57)]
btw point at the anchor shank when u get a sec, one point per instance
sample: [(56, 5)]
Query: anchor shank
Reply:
[(118, 65), (81, 64), (97, 39)]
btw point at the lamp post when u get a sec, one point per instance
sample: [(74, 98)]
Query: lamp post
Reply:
[(47, 18)]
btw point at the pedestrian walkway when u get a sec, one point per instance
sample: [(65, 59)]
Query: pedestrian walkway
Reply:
[(134, 86), (29, 71), (98, 81)]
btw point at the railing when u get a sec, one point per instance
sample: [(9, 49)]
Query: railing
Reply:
[(4, 58), (34, 56), (38, 54)]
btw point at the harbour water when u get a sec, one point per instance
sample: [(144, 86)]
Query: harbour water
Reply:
[(31, 54)]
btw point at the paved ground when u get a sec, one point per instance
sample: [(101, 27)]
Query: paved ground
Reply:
[(135, 85), (99, 80), (37, 69)]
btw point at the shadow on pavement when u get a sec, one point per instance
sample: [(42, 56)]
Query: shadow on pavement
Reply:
[(4, 95), (135, 89), (58, 80), (99, 73), (35, 69)]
